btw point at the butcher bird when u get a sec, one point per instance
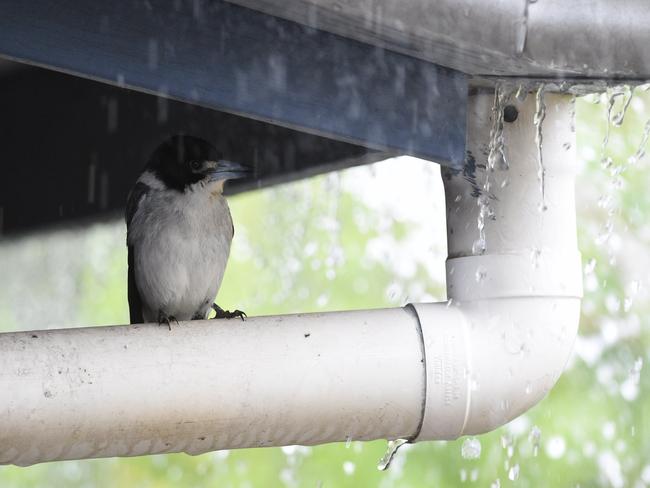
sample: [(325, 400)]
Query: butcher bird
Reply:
[(179, 231)]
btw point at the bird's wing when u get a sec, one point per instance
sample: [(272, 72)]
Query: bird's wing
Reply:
[(137, 195), (135, 301)]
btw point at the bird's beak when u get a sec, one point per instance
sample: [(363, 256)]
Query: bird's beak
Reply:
[(227, 170)]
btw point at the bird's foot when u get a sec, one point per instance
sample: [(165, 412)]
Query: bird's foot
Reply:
[(220, 313), (163, 318)]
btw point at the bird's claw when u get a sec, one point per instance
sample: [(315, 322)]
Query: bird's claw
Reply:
[(163, 318), (220, 313)]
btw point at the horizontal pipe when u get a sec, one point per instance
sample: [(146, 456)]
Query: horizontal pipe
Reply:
[(208, 385)]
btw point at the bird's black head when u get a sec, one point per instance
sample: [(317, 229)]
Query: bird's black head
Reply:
[(183, 160)]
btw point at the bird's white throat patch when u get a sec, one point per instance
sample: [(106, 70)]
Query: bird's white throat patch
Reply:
[(152, 181), (215, 187)]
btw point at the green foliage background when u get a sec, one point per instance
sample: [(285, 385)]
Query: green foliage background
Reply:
[(321, 244)]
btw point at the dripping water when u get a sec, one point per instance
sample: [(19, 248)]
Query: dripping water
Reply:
[(538, 120), (496, 147), (496, 159), (617, 118), (607, 201), (535, 437), (391, 450), (522, 31), (612, 95), (513, 473), (572, 114), (640, 152), (522, 91)]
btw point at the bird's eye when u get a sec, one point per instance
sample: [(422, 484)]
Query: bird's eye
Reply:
[(195, 165)]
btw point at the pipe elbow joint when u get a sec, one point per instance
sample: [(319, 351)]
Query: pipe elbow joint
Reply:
[(516, 357), (488, 361)]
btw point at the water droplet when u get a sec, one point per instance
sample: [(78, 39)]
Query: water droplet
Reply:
[(555, 447), (152, 54), (478, 247), (640, 152), (529, 388), (471, 448), (538, 121), (504, 405), (521, 93), (535, 438), (463, 475), (391, 450), (638, 364), (496, 484), (513, 472), (348, 442), (604, 201), (496, 146), (506, 440), (630, 387), (626, 92), (645, 474), (481, 273), (612, 303), (458, 198), (605, 234), (593, 98), (606, 162), (92, 179), (322, 300), (521, 32), (162, 113), (112, 114), (349, 467), (496, 160), (535, 256)]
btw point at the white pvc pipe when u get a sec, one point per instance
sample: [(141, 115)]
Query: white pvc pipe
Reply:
[(128, 391), (519, 298), (423, 372)]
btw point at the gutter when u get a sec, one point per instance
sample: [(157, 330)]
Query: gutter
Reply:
[(595, 40)]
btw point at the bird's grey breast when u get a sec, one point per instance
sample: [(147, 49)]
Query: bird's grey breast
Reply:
[(182, 242)]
